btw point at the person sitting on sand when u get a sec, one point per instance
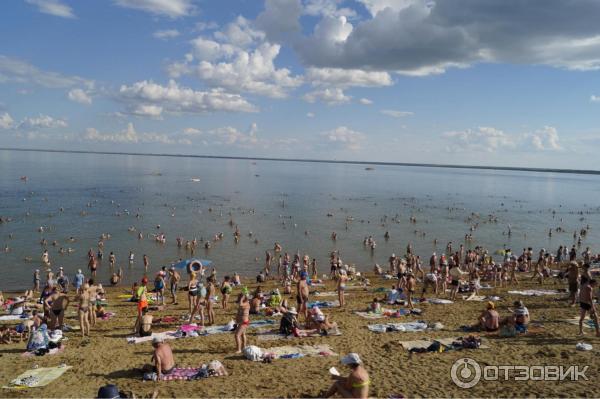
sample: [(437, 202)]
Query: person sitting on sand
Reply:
[(256, 301), (317, 320), (289, 322), (586, 303), (162, 358), (242, 320), (375, 306), (145, 329), (519, 318), (489, 320), (356, 385)]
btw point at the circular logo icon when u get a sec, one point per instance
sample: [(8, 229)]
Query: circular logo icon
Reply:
[(465, 372)]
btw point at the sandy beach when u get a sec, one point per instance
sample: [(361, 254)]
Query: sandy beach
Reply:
[(108, 358)]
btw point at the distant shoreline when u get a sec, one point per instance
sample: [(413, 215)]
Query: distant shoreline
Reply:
[(374, 163)]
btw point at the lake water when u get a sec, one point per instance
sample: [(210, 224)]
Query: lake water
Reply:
[(291, 201)]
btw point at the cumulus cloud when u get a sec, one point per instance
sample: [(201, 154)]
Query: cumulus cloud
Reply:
[(19, 71), (129, 135), (595, 99), (79, 96), (481, 139), (169, 8), (344, 138), (347, 77), (151, 99), (418, 37), (280, 19), (327, 8), (329, 96), (395, 113), (365, 101), (545, 139), (53, 7), (166, 34), (42, 122), (490, 139), (6, 121), (239, 59)]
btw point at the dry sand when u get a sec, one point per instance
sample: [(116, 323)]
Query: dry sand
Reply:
[(108, 358)]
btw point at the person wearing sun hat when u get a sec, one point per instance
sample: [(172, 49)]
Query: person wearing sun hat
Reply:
[(356, 384)]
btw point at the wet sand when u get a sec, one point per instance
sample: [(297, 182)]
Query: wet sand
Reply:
[(108, 358)]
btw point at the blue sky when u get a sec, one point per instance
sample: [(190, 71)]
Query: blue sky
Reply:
[(507, 83)]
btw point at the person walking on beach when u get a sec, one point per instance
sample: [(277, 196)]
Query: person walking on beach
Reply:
[(242, 320), (573, 278), (586, 302), (302, 294), (174, 278)]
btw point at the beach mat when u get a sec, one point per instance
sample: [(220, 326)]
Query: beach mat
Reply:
[(587, 322), (326, 294), (181, 374), (210, 330), (296, 351), (164, 335), (53, 351), (400, 327), (324, 304), (10, 317), (274, 335), (37, 377), (447, 342), (534, 292), (440, 301)]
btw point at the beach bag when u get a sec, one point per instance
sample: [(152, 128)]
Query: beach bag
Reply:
[(253, 353), (471, 342)]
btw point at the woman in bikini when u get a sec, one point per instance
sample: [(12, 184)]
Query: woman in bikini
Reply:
[(341, 286), (84, 307), (193, 292), (225, 291), (356, 385), (242, 320)]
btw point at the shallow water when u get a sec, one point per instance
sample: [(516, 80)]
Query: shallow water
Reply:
[(288, 199)]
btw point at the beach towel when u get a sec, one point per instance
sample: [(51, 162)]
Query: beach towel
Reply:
[(274, 335), (52, 351), (478, 298), (165, 335), (421, 344), (210, 330), (37, 377), (388, 313), (12, 317), (370, 315), (403, 327), (534, 292), (326, 293), (293, 352), (107, 316), (439, 301), (587, 322), (324, 304)]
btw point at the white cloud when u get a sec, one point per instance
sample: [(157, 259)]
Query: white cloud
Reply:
[(310, 115), (365, 101), (347, 77), (148, 110), (53, 7), (239, 59), (375, 6), (192, 131), (166, 34), (595, 99), (129, 135), (327, 8), (481, 139), (6, 121), (545, 139), (202, 26), (169, 8), (330, 96), (16, 70), (147, 97), (42, 122), (79, 96), (344, 138), (396, 114)]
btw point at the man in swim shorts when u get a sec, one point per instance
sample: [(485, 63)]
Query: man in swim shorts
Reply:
[(586, 303)]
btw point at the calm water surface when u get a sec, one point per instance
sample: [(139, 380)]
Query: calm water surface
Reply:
[(287, 202)]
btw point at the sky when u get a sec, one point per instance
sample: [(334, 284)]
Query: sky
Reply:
[(472, 82)]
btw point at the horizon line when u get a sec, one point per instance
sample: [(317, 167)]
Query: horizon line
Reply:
[(378, 163)]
